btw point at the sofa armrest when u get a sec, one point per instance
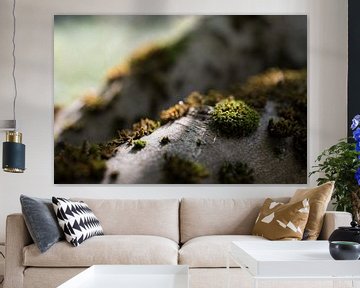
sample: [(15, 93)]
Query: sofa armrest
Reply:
[(17, 237), (333, 220)]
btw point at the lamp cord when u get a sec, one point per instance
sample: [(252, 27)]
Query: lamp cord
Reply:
[(14, 60)]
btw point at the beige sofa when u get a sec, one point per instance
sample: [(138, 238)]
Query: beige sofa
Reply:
[(194, 232)]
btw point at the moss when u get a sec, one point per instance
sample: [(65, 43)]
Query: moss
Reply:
[(142, 128), (289, 113), (182, 171), (279, 85), (146, 61), (235, 173), (139, 144), (292, 88), (255, 91), (93, 102), (118, 72), (195, 99), (149, 68), (211, 98), (234, 118), (83, 164), (281, 128), (288, 88), (214, 96), (165, 140), (175, 112), (156, 55)]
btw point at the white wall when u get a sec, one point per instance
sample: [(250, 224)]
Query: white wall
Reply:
[(327, 97)]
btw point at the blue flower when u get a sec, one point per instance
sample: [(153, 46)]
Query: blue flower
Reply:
[(356, 134), (357, 147), (355, 122), (357, 176)]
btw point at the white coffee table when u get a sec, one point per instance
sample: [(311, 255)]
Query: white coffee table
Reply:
[(292, 260), (131, 276)]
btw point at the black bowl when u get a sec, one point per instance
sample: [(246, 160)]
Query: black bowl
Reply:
[(343, 250)]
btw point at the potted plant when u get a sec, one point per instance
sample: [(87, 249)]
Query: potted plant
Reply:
[(341, 163)]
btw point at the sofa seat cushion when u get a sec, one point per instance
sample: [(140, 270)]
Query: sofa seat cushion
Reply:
[(108, 249), (211, 251)]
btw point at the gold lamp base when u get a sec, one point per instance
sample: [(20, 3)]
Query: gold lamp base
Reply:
[(13, 170)]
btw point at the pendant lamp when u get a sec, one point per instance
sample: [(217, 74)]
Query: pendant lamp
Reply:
[(13, 149)]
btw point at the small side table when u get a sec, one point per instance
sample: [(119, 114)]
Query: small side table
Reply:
[(289, 261)]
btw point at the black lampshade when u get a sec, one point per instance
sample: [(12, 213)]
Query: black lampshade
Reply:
[(13, 153)]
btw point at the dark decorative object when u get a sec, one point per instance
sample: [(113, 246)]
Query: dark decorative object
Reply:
[(343, 250), (351, 233)]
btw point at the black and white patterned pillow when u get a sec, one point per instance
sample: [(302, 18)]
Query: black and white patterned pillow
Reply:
[(77, 220)]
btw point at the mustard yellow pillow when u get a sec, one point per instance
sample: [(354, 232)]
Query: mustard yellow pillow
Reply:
[(319, 198), (279, 221)]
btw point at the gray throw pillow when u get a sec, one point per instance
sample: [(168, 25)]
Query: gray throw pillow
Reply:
[(41, 221)]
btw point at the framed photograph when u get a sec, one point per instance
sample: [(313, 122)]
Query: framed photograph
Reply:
[(177, 99)]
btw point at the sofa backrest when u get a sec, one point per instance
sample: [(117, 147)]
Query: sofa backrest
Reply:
[(159, 217), (200, 217)]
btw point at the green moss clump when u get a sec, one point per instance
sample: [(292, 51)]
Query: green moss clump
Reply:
[(139, 144), (235, 118), (235, 173), (175, 112), (182, 171), (165, 140), (281, 128), (74, 165)]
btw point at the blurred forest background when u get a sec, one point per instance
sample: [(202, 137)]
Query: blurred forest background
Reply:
[(86, 47)]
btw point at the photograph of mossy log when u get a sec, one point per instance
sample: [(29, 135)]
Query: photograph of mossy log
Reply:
[(189, 100)]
